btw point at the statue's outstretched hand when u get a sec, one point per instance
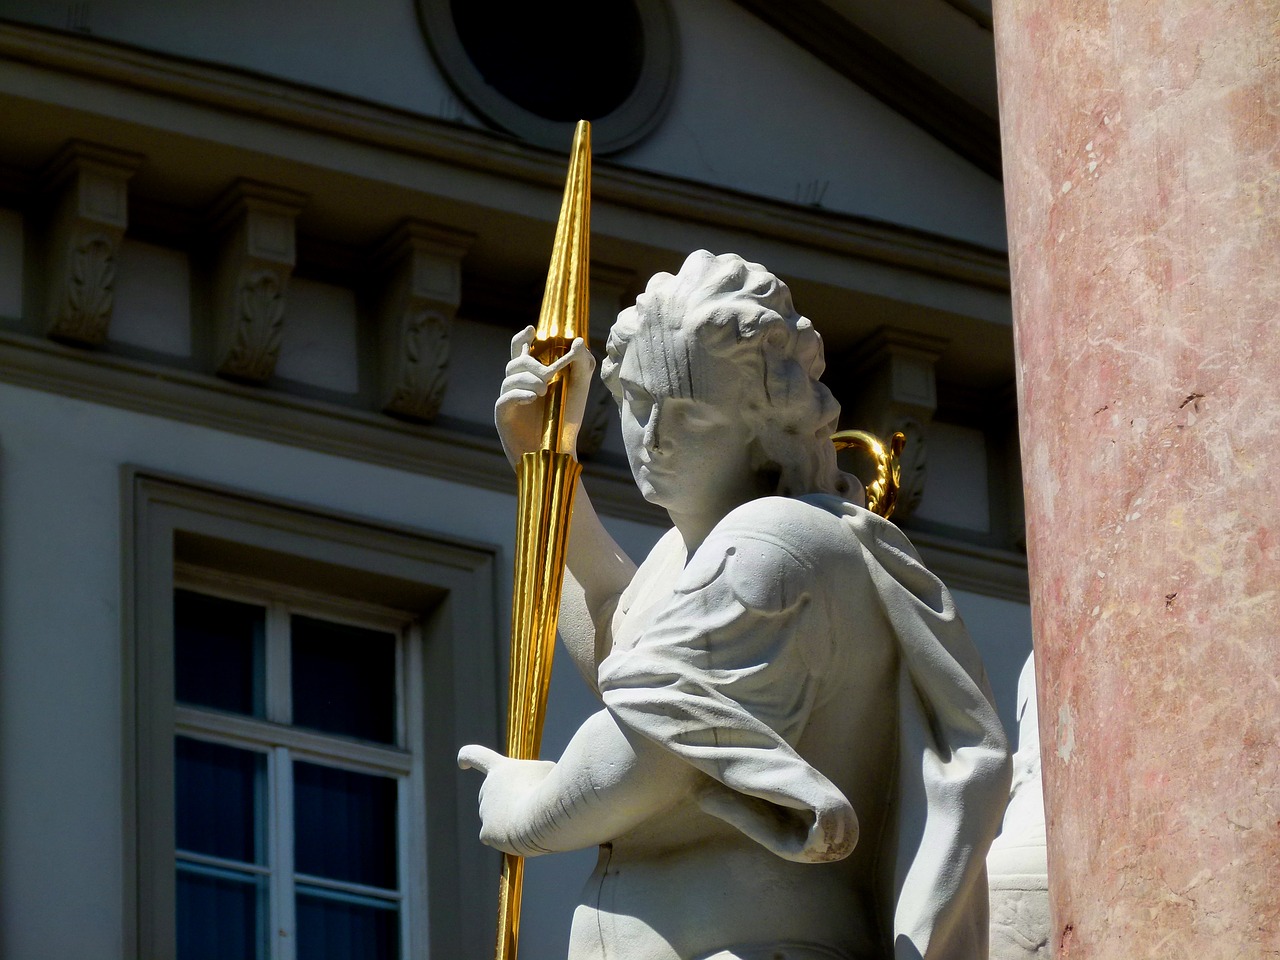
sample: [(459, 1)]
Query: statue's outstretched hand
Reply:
[(518, 412), (506, 798)]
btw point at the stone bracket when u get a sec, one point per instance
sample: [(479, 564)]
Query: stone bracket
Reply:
[(255, 226), (899, 393), (422, 266), (91, 185)]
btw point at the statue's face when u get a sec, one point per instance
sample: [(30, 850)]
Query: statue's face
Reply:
[(687, 443)]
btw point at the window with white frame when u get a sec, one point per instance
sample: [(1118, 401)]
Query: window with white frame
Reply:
[(298, 792), (299, 686)]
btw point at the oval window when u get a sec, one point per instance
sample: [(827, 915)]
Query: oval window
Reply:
[(535, 69)]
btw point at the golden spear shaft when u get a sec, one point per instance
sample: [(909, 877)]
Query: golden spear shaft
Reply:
[(547, 480)]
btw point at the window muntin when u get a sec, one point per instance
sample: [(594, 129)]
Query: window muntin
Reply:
[(342, 568), (291, 836)]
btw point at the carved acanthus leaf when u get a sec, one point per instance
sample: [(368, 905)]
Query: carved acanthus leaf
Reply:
[(254, 224), (424, 374), (421, 285), (914, 467), (88, 188), (84, 308), (259, 327)]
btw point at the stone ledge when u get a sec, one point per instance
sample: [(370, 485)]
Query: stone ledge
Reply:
[(977, 569), (353, 120), (473, 459)]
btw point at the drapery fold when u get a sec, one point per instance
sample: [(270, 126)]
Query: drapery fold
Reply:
[(729, 686)]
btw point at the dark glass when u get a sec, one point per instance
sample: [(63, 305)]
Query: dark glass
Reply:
[(344, 679), (337, 926), (220, 796), (219, 653), (344, 825), (570, 60), (220, 915)]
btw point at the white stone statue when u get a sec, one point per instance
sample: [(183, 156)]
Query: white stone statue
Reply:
[(796, 756), (1018, 864)]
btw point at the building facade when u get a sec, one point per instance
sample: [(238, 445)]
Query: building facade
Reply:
[(259, 267)]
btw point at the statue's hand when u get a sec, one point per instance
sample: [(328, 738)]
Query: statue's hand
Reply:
[(506, 798), (518, 412)]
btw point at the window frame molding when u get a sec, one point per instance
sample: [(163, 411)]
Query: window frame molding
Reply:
[(449, 583), (628, 123), (282, 743)]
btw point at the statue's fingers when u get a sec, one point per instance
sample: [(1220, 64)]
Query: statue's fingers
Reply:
[(580, 355), (520, 342), (523, 383), (577, 354), (475, 757), (526, 363)]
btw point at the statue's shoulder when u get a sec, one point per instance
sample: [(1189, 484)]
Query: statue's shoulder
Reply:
[(809, 527), (771, 552)]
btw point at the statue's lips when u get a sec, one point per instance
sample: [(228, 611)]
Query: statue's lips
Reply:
[(653, 469)]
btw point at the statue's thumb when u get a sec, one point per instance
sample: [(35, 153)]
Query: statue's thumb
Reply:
[(475, 757)]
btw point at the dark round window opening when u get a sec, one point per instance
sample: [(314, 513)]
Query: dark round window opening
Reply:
[(572, 60), (534, 69)]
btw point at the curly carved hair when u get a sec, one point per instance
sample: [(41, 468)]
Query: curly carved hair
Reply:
[(723, 309)]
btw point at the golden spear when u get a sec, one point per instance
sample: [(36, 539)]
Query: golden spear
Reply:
[(547, 480)]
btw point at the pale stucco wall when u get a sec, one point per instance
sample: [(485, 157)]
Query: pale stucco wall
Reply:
[(60, 670), (61, 818), (751, 110)]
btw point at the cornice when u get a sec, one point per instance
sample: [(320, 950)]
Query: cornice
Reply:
[(870, 64), (965, 566), (475, 460), (432, 450), (292, 105)]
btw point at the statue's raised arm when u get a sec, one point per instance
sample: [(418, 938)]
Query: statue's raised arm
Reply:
[(797, 755)]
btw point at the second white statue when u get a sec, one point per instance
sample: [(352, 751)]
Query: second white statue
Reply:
[(796, 756)]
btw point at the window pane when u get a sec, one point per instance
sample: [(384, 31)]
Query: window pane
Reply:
[(344, 825), (222, 915), (338, 926), (220, 800), (219, 653), (344, 679)]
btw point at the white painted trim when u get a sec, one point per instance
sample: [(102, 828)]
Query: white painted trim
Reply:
[(237, 730), (189, 856), (360, 889), (286, 928), (416, 871), (459, 664), (279, 681)]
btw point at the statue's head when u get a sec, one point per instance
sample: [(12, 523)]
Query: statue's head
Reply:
[(723, 332)]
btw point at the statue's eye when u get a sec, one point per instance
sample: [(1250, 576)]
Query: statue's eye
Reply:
[(636, 396), (640, 407), (695, 416)]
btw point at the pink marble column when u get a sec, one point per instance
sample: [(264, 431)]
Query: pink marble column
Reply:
[(1142, 171)]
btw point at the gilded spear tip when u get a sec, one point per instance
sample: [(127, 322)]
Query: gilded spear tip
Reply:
[(564, 302)]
